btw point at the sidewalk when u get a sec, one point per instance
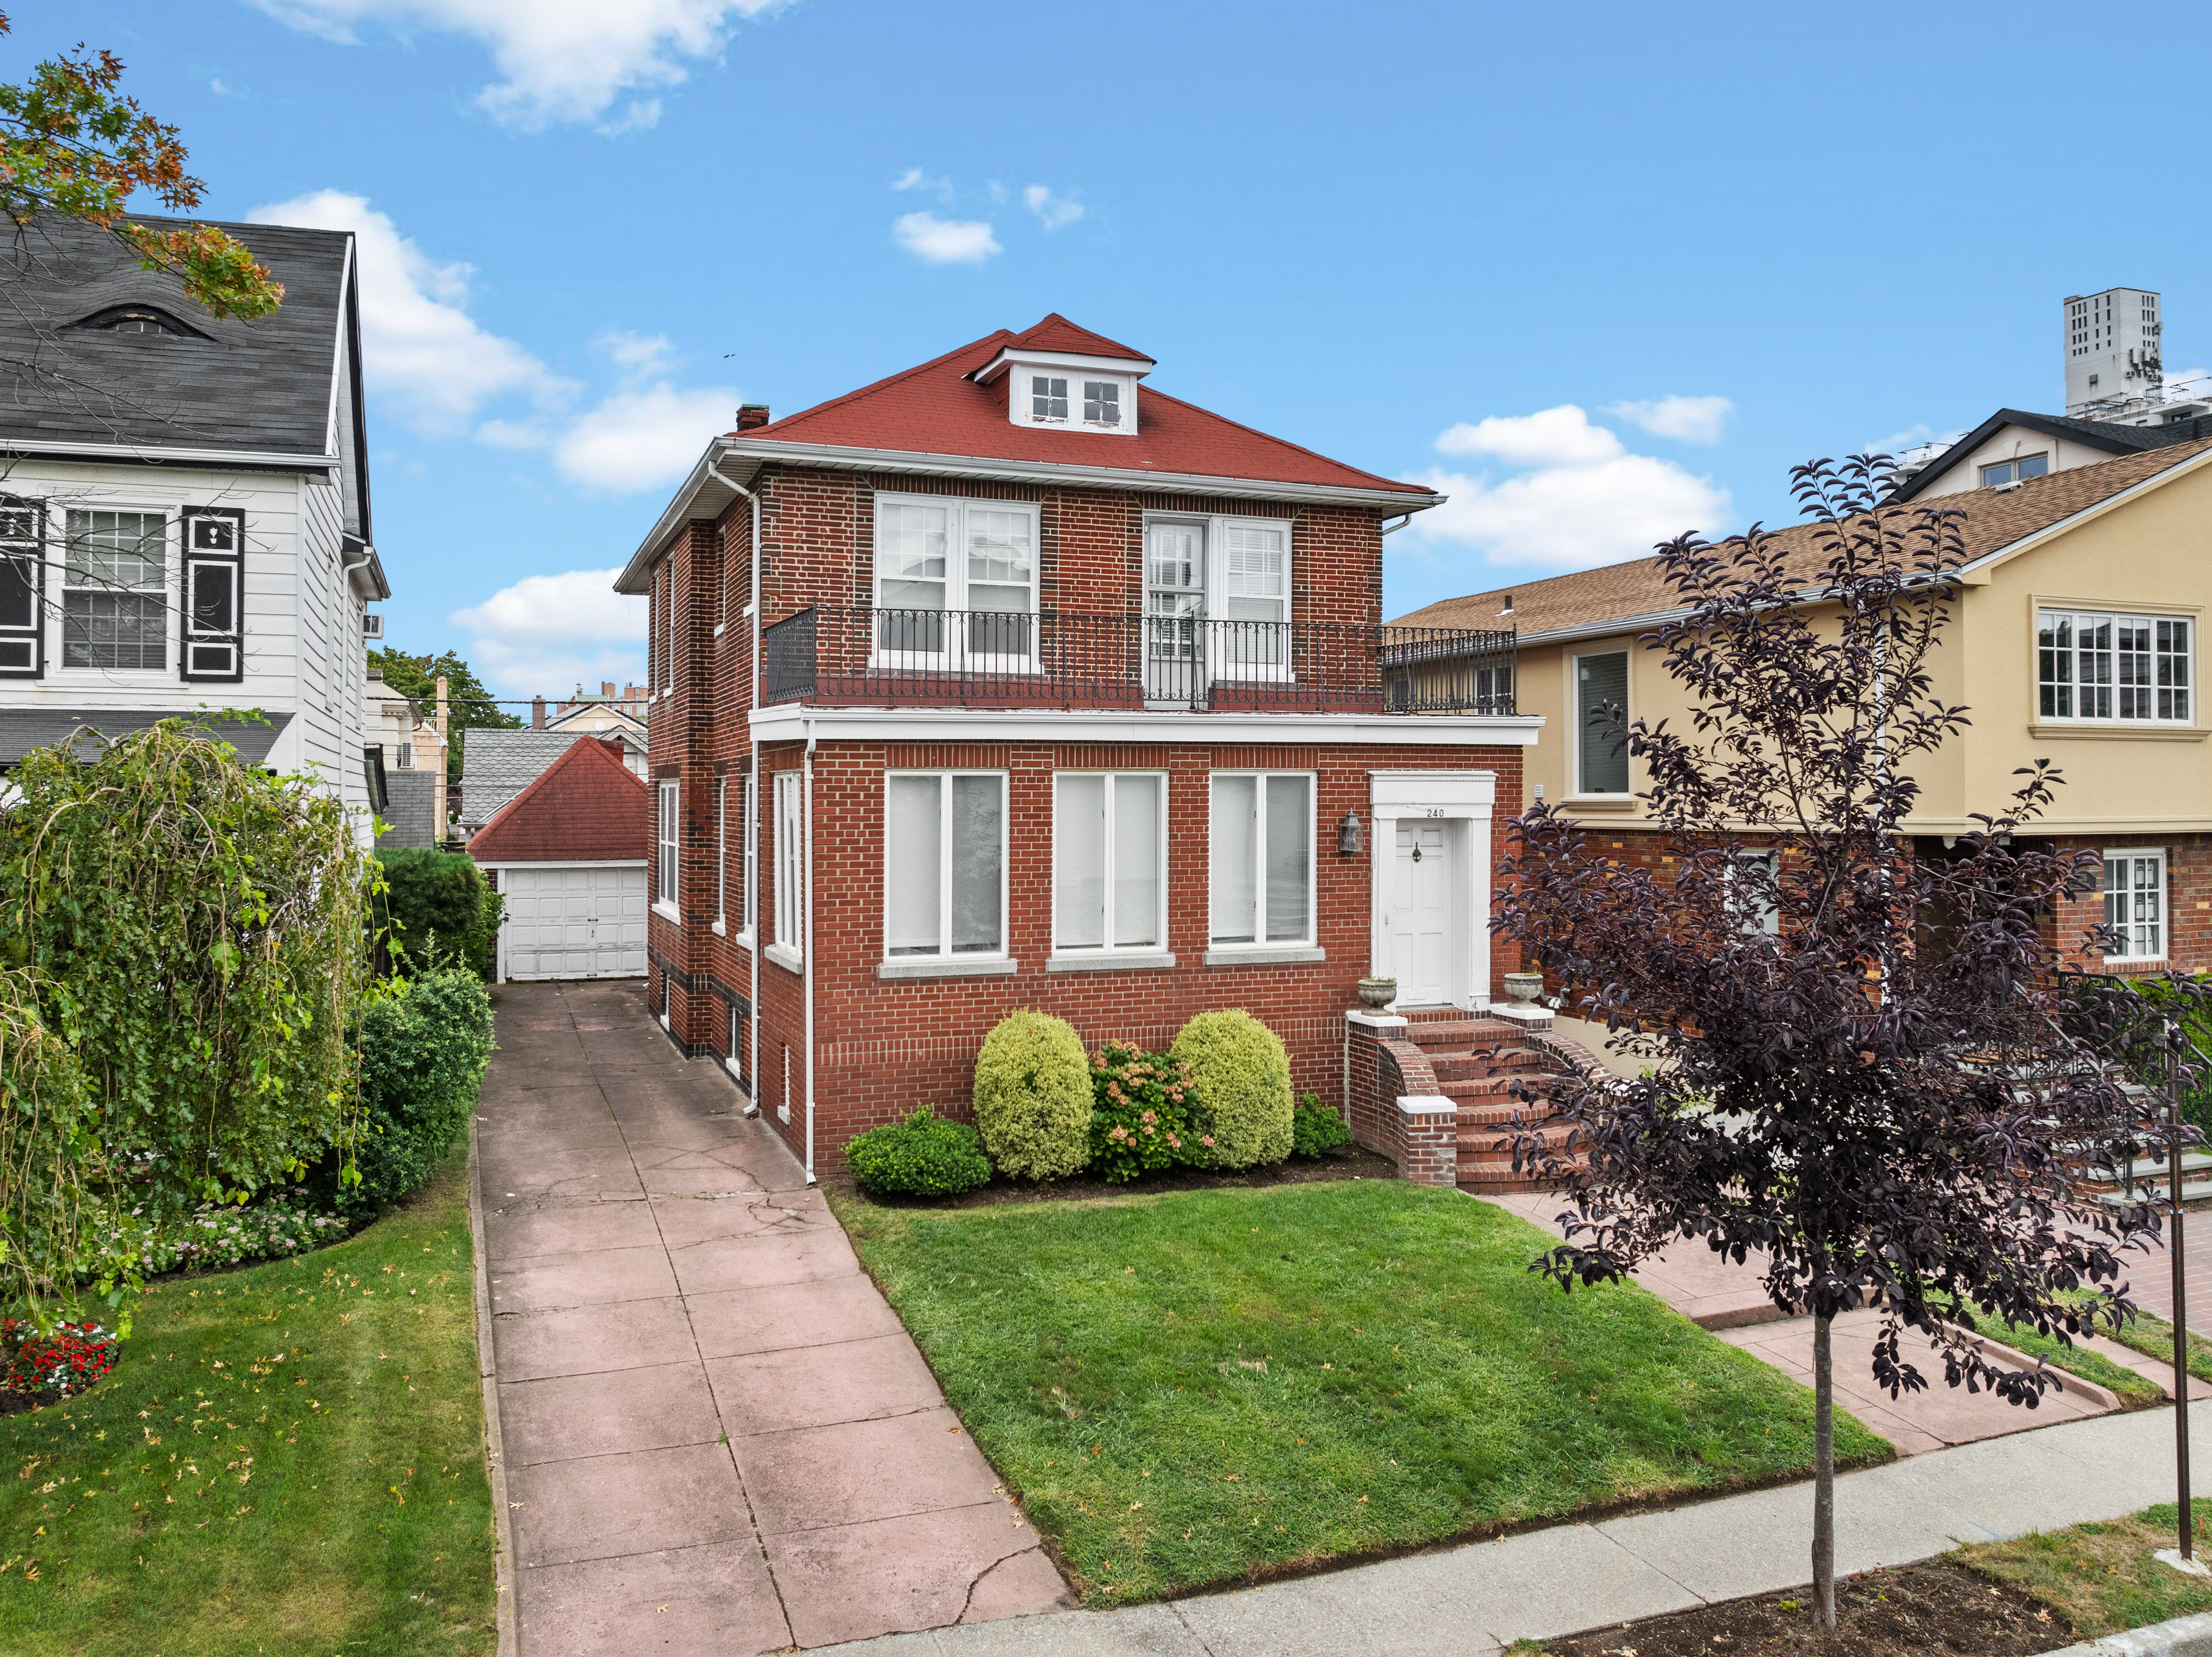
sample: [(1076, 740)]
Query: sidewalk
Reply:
[(717, 1435), (1475, 1601)]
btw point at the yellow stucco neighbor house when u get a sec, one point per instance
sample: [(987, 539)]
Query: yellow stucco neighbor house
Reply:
[(2075, 638)]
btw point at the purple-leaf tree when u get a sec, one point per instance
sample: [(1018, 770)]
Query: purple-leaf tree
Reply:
[(1869, 1068)]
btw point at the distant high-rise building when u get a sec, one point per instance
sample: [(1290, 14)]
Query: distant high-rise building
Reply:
[(2113, 360)]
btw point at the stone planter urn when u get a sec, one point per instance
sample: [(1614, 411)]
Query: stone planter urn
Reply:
[(1524, 987), (1377, 994)]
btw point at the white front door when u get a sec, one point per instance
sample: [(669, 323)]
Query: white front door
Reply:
[(574, 923), (1419, 920)]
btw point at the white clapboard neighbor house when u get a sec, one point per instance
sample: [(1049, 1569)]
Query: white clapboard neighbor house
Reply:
[(184, 502)]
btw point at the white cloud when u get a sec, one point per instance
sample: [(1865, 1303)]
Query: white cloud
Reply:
[(1573, 495), (1685, 419), (648, 431), (420, 346), (546, 633), (559, 60), (1053, 211), (1551, 437), (944, 241), (915, 179), (1917, 436)]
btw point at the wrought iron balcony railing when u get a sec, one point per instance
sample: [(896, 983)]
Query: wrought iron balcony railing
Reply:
[(856, 654)]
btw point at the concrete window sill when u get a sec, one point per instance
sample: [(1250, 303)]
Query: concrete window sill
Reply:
[(668, 912), (2120, 731), (1103, 961), (1297, 957), (786, 957), (1575, 802), (954, 968)]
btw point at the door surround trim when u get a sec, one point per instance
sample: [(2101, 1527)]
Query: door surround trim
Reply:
[(1465, 797)]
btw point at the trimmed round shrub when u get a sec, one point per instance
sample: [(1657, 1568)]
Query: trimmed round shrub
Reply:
[(1241, 1074), (1033, 1096), (924, 1155)]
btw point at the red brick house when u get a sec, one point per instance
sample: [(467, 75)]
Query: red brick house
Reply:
[(1011, 681)]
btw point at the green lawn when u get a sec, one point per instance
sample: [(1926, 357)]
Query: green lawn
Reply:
[(2135, 1392), (2102, 1576), (1209, 1386), (287, 1458)]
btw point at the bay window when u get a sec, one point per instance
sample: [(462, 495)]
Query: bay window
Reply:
[(2091, 666), (2135, 904), (955, 579), (1109, 861), (945, 864), (1261, 858)]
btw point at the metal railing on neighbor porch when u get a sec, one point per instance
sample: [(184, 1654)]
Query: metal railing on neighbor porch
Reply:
[(857, 654)]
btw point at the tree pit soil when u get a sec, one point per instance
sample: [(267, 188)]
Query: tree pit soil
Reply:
[(1345, 1163), (1935, 1607)]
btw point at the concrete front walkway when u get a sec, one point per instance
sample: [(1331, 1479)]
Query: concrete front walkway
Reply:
[(718, 1437), (1476, 1601)]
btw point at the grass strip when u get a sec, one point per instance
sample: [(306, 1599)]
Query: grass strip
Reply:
[(2153, 1336), (2135, 1392), (1210, 1386), (2101, 1577), (288, 1458)]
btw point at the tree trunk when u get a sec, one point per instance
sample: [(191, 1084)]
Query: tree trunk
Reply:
[(1824, 1476)]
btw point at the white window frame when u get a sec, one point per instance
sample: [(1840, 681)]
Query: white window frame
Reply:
[(945, 951), (2011, 469), (667, 888), (1578, 735), (2048, 611), (790, 864), (1766, 920), (1214, 593), (953, 650), (1309, 938), (1107, 947), (1021, 398), (168, 591), (2164, 921), (403, 756), (722, 854), (749, 857)]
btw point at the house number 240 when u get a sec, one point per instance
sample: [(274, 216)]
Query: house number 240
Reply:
[(1434, 811)]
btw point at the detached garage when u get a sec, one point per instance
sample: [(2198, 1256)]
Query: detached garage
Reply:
[(567, 854)]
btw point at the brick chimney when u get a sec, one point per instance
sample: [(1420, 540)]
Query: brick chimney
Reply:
[(537, 713), (751, 415), (607, 689)]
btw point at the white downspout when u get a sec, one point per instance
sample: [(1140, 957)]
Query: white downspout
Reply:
[(806, 923), (753, 782)]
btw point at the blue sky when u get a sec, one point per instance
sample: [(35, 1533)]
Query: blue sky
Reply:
[(1703, 242)]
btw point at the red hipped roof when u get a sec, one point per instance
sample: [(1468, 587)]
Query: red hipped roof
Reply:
[(585, 807), (935, 408)]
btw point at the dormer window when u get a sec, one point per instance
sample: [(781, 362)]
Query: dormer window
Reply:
[(1101, 402), (1067, 377), (1048, 398), (137, 319)]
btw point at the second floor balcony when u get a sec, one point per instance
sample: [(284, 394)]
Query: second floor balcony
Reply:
[(859, 655)]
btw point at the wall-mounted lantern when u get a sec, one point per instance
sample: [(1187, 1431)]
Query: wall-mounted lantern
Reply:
[(1348, 835)]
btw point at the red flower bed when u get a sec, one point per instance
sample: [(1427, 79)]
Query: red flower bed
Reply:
[(68, 1360)]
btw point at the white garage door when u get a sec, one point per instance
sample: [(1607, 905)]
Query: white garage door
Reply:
[(574, 923)]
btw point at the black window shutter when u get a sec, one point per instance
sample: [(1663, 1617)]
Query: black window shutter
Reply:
[(215, 596), (23, 587)]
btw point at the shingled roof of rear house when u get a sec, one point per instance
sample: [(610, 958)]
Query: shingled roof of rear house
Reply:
[(263, 385), (587, 808), (1990, 520), (935, 408)]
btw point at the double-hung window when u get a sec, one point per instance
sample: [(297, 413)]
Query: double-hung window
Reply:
[(1601, 754), (1109, 861), (665, 891), (945, 864), (1261, 854), (956, 583), (115, 598), (790, 862), (2136, 669), (749, 858), (2135, 904), (722, 851), (1256, 596)]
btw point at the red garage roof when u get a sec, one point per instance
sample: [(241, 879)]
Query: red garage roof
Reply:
[(585, 808), (935, 408)]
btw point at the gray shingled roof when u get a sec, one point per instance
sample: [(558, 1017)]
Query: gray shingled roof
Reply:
[(496, 765), (411, 807), (22, 729), (2106, 435), (265, 385)]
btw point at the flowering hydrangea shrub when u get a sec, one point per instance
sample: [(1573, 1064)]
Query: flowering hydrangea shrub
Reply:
[(68, 1360), (1144, 1117), (217, 1236)]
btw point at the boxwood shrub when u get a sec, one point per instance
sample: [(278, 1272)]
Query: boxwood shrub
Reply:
[(1033, 1096), (924, 1155), (1317, 1128), (1241, 1075), (422, 1058)]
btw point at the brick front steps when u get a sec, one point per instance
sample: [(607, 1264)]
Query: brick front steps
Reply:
[(1477, 1062)]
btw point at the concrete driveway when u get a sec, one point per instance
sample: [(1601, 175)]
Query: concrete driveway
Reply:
[(717, 1436)]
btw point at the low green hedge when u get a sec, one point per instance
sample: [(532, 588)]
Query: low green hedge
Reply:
[(436, 908), (422, 1058), (924, 1155)]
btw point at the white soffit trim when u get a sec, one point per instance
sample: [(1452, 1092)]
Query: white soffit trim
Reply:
[(1975, 572), (1400, 794), (794, 721), (154, 453)]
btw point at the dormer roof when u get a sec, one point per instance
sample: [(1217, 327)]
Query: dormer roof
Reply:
[(1056, 340)]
